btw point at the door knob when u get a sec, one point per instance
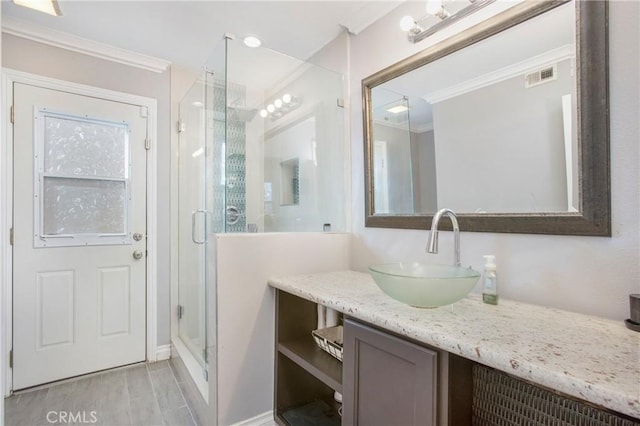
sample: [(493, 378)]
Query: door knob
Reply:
[(137, 254)]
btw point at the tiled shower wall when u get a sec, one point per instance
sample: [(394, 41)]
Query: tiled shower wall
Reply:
[(227, 177)]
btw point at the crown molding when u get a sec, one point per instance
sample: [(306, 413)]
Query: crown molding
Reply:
[(422, 128), (555, 55), (413, 129), (40, 34)]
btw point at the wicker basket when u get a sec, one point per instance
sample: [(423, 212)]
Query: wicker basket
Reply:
[(501, 400), (329, 340)]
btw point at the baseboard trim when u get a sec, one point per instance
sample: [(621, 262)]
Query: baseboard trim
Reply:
[(163, 352), (264, 419)]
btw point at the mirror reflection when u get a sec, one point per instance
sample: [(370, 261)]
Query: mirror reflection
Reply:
[(491, 128)]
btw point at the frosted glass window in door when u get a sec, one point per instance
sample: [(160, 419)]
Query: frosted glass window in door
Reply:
[(82, 147), (82, 175), (83, 206)]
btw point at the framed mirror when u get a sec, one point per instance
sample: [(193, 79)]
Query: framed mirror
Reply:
[(506, 123)]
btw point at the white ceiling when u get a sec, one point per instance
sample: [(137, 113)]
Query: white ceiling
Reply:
[(185, 32)]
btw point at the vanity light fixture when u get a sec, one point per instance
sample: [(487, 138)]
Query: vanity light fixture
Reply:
[(47, 6), (436, 8), (408, 24), (418, 30), (252, 41), (280, 107)]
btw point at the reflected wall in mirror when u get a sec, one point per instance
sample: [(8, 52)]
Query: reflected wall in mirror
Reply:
[(505, 123), (290, 182)]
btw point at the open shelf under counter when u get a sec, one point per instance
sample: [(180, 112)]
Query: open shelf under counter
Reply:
[(306, 377), (311, 358)]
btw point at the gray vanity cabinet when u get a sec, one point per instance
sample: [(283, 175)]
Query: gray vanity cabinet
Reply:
[(387, 380)]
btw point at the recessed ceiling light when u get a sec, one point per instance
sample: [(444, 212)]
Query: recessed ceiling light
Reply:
[(398, 109), (252, 41), (47, 6)]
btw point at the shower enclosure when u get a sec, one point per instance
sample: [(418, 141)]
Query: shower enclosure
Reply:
[(261, 149)]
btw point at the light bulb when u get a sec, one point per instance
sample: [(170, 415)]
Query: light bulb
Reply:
[(406, 23), (263, 113), (286, 98), (271, 108), (278, 103), (434, 6)]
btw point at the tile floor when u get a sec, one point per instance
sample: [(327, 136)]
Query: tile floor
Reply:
[(145, 394)]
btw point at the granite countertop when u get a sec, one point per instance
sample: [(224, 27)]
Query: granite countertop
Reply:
[(590, 358)]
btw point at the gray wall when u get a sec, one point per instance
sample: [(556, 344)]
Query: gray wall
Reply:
[(500, 148), (423, 162), (246, 312), (37, 58)]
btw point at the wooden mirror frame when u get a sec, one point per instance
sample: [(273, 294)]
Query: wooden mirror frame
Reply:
[(594, 217)]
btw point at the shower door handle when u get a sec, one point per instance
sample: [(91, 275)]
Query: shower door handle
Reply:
[(193, 227)]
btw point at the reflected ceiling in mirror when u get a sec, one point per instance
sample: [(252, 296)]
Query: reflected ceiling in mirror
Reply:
[(499, 123), (489, 128)]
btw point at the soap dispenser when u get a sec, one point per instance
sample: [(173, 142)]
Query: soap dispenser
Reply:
[(490, 281)]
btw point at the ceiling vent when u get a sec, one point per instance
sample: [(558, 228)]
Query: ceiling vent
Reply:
[(541, 76)]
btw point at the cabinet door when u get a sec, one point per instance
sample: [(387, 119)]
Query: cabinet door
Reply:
[(386, 380)]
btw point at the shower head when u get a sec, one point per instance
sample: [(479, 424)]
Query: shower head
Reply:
[(242, 114)]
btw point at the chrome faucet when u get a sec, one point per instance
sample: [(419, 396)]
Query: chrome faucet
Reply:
[(432, 242)]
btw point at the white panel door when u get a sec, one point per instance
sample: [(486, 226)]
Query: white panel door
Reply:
[(79, 248)]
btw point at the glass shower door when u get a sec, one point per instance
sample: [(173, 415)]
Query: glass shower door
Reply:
[(192, 218)]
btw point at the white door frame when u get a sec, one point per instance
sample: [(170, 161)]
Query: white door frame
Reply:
[(6, 197)]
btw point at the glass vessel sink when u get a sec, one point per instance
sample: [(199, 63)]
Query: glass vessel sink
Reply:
[(422, 285)]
